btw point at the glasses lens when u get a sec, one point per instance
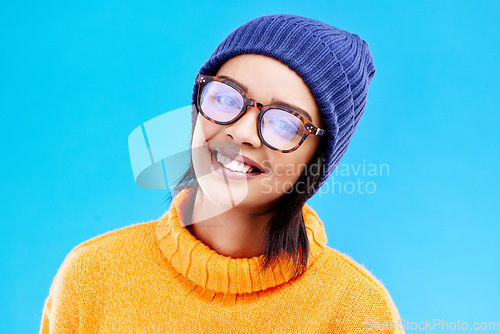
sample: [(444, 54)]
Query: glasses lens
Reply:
[(281, 129), (221, 102)]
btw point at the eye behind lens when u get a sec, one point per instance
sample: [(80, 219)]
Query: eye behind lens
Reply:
[(281, 129), (220, 101)]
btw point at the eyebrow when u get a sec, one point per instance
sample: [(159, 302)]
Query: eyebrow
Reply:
[(274, 101)]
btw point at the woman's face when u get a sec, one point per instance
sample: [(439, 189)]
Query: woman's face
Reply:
[(267, 81)]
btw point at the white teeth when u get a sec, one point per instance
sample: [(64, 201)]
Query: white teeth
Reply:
[(233, 165)]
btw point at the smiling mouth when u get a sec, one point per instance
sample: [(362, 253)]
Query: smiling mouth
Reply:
[(233, 164)]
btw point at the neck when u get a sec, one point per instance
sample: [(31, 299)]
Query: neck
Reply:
[(231, 232)]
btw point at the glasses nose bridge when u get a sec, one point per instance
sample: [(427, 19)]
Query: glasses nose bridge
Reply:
[(254, 104)]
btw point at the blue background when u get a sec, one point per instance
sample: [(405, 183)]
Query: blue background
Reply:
[(76, 77)]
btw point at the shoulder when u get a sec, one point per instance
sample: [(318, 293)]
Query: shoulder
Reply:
[(114, 242), (352, 270), (80, 278), (357, 292), (113, 239), (87, 261)]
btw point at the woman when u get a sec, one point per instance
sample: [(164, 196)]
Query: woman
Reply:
[(239, 251)]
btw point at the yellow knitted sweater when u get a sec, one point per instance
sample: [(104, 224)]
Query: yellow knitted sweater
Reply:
[(156, 277)]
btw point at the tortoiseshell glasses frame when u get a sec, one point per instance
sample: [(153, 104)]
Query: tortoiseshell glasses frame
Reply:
[(310, 129)]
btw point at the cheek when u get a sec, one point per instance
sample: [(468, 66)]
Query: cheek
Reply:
[(204, 130), (288, 169)]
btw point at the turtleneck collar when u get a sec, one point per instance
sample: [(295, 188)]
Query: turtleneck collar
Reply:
[(219, 273)]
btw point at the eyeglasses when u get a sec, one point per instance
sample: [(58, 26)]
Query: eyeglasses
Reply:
[(280, 128)]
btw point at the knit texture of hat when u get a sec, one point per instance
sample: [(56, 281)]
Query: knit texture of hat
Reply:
[(335, 64)]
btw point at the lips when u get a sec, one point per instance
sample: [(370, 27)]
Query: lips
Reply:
[(238, 157)]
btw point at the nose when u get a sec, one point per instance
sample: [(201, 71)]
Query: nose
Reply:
[(244, 130)]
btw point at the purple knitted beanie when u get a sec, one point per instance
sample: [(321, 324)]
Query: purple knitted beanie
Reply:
[(335, 64)]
